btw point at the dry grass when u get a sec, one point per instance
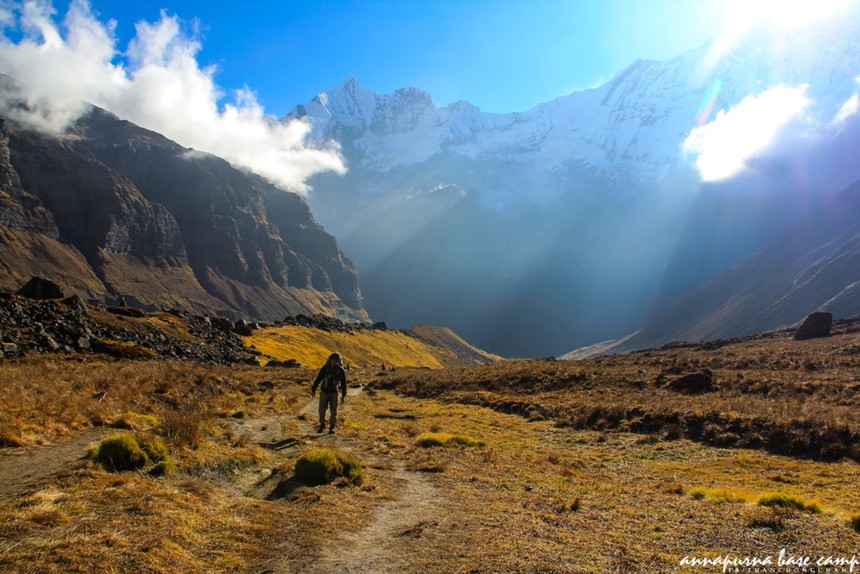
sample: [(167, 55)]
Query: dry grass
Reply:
[(366, 348), (46, 398), (583, 467), (786, 396), (543, 498)]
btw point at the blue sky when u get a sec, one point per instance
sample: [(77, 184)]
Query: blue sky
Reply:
[(212, 78), (501, 55)]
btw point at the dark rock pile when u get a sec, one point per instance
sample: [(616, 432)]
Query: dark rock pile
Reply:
[(323, 322), (69, 325)]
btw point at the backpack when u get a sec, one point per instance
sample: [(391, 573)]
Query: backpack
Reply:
[(329, 383)]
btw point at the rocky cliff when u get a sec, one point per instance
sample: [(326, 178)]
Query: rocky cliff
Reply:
[(110, 210)]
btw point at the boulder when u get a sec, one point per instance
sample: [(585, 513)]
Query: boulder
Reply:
[(694, 383), (815, 325), (243, 328), (40, 288)]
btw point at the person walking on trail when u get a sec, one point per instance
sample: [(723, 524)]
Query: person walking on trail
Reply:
[(330, 379)]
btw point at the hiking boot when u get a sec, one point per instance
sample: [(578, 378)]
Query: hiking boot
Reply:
[(322, 428), (331, 430)]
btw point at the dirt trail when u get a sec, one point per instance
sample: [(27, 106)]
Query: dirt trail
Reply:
[(22, 468), (373, 549)]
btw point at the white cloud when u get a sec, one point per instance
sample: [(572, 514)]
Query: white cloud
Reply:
[(725, 145), (848, 109), (162, 88)]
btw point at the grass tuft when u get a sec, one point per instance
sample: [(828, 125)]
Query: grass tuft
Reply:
[(120, 452), (155, 450), (432, 439), (789, 501), (324, 465), (718, 495), (134, 421)]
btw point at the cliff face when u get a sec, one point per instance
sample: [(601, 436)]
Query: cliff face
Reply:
[(164, 226)]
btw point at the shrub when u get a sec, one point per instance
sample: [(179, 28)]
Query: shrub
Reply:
[(182, 428), (855, 522), (324, 465), (789, 501), (120, 452)]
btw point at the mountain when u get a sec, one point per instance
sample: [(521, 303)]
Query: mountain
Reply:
[(111, 210), (813, 265), (581, 219)]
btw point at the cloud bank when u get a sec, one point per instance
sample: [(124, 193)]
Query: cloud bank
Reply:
[(156, 83), (782, 135)]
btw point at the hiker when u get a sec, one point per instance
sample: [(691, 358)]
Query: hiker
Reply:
[(331, 376)]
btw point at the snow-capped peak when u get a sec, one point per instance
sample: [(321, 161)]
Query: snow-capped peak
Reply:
[(637, 120)]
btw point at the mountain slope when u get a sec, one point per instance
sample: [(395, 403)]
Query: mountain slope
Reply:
[(112, 210), (813, 265), (578, 220)]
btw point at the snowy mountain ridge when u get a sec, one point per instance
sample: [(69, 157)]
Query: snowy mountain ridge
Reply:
[(584, 218), (637, 121)]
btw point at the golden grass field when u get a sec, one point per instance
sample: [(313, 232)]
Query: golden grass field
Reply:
[(538, 466)]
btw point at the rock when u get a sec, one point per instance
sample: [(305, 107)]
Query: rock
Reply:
[(76, 303), (694, 383), (287, 364), (243, 328), (815, 325), (380, 326), (221, 323), (264, 386), (40, 288)]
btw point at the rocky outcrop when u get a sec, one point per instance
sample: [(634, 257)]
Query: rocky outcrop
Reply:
[(20, 210), (40, 288), (69, 325), (161, 226)]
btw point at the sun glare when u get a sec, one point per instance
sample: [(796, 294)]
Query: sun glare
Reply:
[(742, 14), (782, 15)]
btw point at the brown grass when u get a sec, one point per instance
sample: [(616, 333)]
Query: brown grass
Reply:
[(785, 396), (584, 467)]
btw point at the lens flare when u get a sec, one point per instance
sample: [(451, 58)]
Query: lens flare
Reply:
[(706, 106)]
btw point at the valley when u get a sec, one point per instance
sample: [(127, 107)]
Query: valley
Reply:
[(602, 465)]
